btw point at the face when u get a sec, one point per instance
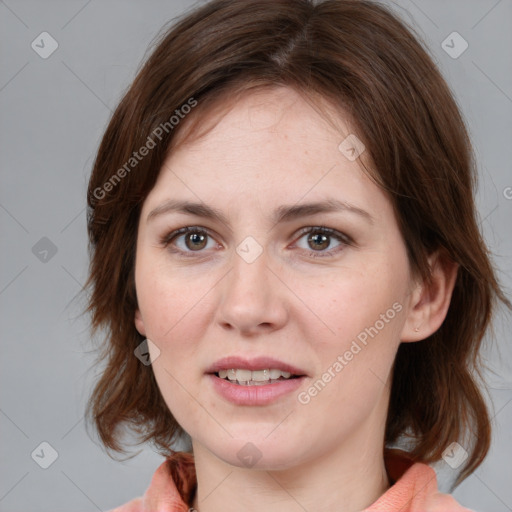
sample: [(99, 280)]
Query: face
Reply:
[(320, 294)]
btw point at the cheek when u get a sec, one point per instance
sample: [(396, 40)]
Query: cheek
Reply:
[(357, 299), (164, 297), (364, 312), (354, 364), (172, 305), (167, 307)]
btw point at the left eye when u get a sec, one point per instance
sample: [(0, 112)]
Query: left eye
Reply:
[(321, 238), (196, 239)]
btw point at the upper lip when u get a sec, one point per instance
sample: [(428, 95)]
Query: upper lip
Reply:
[(257, 363)]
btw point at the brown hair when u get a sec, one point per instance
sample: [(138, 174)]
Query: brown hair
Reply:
[(364, 60)]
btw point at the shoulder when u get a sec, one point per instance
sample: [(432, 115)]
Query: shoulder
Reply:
[(414, 488), (170, 490), (440, 502)]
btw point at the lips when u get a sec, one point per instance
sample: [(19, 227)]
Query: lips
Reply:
[(257, 363), (254, 393)]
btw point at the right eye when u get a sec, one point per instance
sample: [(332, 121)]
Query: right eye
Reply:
[(193, 240)]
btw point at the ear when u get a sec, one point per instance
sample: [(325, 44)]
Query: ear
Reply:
[(139, 323), (429, 301)]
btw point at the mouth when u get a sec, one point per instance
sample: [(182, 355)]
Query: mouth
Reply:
[(258, 381), (244, 377)]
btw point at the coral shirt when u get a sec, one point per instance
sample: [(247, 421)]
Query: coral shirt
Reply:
[(413, 489)]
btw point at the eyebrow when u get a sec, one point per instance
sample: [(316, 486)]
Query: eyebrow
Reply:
[(283, 213)]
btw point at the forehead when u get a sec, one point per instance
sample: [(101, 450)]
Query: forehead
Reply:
[(266, 107), (268, 145), (262, 128)]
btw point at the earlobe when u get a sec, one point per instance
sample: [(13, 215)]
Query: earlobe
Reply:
[(430, 300), (139, 323)]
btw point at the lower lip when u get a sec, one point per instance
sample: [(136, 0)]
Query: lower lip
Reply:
[(254, 395)]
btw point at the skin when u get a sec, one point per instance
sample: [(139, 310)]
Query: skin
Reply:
[(273, 148)]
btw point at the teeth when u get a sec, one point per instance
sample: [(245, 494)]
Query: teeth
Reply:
[(275, 374), (256, 377), (243, 375), (259, 375)]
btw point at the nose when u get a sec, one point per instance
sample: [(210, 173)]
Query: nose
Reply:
[(253, 298)]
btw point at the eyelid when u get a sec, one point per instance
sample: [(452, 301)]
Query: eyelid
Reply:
[(328, 231), (343, 238), (168, 238)]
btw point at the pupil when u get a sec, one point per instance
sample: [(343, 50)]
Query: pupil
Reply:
[(195, 238), (312, 238)]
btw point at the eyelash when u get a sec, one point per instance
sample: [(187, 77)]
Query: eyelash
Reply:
[(341, 237)]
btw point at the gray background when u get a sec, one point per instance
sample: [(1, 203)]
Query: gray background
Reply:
[(52, 114)]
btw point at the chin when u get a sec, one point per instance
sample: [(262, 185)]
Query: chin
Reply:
[(258, 453)]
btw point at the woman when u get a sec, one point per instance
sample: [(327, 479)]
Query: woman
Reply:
[(286, 259)]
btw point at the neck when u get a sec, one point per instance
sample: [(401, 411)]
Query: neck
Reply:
[(348, 479)]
